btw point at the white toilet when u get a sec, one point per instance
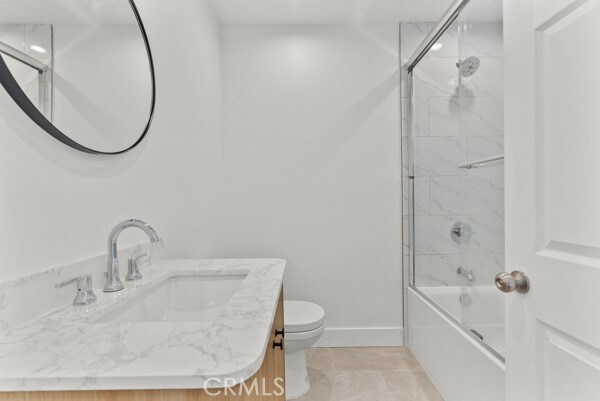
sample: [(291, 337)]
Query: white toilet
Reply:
[(304, 325)]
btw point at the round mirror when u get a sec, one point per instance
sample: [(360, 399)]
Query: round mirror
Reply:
[(81, 69)]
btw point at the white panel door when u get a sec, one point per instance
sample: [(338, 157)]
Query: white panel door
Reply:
[(553, 198)]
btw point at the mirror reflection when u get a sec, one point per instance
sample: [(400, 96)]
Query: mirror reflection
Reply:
[(84, 65)]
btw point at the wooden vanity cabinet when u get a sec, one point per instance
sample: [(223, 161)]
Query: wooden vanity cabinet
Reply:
[(272, 373)]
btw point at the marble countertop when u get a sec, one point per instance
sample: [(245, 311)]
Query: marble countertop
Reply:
[(69, 349)]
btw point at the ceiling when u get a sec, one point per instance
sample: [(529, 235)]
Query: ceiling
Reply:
[(251, 12), (88, 12)]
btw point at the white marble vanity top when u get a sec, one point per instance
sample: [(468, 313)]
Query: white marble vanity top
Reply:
[(69, 349)]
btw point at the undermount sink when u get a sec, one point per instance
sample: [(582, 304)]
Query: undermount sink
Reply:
[(179, 298)]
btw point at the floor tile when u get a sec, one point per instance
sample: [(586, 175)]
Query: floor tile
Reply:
[(410, 386), (367, 374), (373, 359), (319, 360), (408, 397), (346, 386)]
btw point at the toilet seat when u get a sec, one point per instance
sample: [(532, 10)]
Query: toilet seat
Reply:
[(301, 316), (304, 335)]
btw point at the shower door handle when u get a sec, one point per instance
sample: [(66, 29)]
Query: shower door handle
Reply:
[(515, 281)]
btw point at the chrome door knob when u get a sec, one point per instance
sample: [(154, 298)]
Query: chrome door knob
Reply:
[(515, 281)]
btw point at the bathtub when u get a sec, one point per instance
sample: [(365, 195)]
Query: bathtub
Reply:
[(458, 363)]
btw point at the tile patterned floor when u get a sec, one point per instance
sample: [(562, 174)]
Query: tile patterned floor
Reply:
[(367, 374)]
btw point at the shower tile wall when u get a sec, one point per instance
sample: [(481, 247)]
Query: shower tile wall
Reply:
[(457, 120)]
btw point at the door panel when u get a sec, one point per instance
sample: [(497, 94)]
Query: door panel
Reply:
[(553, 198), (571, 368), (568, 60)]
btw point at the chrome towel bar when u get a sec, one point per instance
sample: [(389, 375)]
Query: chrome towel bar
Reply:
[(480, 162)]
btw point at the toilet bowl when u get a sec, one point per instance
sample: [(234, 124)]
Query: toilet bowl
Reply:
[(304, 325)]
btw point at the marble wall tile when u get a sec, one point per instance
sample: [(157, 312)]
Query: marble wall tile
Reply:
[(403, 80), (457, 120), (482, 39), (405, 236), (439, 155), (421, 115), (449, 41), (487, 81), (479, 147), (423, 270), (488, 233), (441, 114), (482, 147), (432, 235), (444, 116), (12, 35), (483, 194), (485, 266), (482, 116), (404, 116), (23, 36), (446, 195), (411, 36), (405, 157), (436, 77), (421, 196), (466, 195), (413, 33), (38, 35), (406, 270), (443, 270)]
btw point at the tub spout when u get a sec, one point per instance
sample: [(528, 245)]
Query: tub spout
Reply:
[(461, 272)]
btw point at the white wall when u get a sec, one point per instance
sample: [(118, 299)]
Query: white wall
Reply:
[(312, 168), (58, 205)]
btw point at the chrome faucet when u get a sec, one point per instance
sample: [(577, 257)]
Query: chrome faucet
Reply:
[(467, 274), (113, 281)]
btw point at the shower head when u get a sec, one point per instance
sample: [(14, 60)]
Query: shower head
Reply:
[(468, 66)]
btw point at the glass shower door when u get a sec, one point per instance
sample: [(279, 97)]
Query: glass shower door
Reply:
[(455, 171), (481, 93)]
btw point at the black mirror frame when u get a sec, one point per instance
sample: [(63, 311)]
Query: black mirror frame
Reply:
[(16, 93)]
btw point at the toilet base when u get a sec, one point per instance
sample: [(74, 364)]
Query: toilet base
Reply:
[(296, 375)]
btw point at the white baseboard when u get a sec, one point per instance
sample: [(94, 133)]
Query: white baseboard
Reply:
[(361, 337)]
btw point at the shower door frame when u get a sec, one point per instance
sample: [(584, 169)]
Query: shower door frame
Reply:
[(407, 71)]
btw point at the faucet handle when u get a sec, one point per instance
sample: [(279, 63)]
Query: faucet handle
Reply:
[(133, 268), (85, 294)]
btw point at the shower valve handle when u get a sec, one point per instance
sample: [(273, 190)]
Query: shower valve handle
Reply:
[(515, 281)]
